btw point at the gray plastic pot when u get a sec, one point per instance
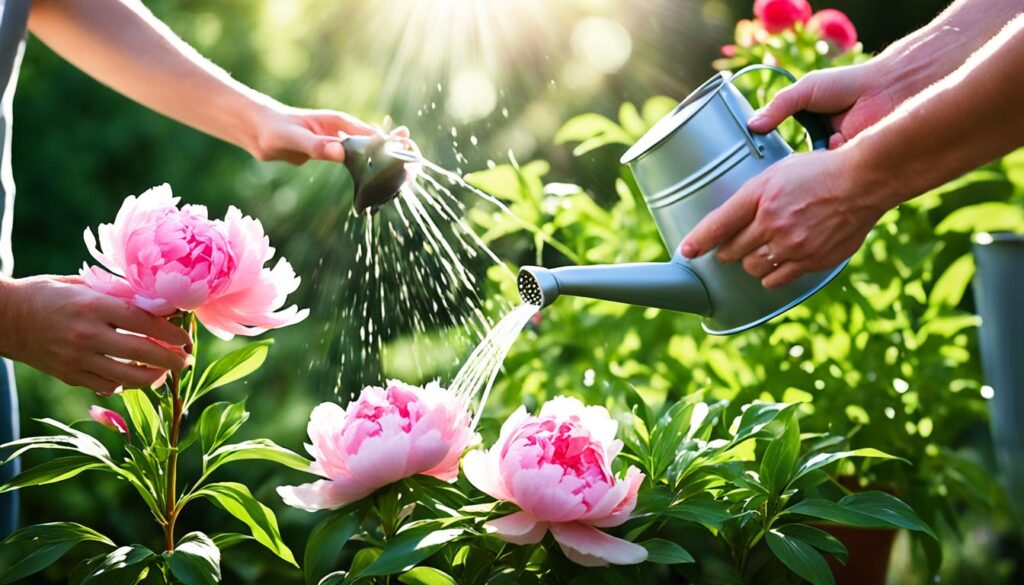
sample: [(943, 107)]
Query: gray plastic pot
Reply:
[(999, 295)]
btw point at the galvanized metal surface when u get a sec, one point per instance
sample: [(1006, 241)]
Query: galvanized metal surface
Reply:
[(686, 166)]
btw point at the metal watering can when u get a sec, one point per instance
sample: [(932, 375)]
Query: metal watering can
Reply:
[(688, 164)]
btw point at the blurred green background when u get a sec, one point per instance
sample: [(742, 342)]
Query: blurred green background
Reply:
[(510, 75)]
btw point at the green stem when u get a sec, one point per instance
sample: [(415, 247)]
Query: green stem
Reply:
[(171, 510)]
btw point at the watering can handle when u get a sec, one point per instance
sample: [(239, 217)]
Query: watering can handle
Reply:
[(817, 125)]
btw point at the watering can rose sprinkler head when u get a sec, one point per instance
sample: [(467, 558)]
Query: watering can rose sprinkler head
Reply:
[(380, 165), (686, 166)]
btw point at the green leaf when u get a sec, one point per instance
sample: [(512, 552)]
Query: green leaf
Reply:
[(122, 566), (143, 415), (817, 538), (706, 512), (993, 216), (232, 367), (195, 560), (335, 578), (236, 499), (325, 544), (52, 541), (262, 449), (819, 460), (800, 557), (426, 576), (664, 552), (888, 509), (757, 416), (363, 558), (225, 540), (592, 131), (780, 458), (409, 548), (219, 422), (35, 561), (950, 287), (833, 512), (53, 471)]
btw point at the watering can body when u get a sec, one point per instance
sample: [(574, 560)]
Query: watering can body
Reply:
[(687, 165)]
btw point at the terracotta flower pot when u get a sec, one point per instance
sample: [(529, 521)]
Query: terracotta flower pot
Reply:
[(869, 548)]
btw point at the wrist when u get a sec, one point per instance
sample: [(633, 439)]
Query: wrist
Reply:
[(11, 293), (254, 116), (874, 187)]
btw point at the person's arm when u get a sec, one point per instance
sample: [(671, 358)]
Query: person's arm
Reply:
[(121, 44), (58, 325), (858, 96), (808, 212)]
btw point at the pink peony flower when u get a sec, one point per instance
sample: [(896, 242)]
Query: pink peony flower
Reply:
[(384, 436), (779, 15), (835, 27), (166, 259), (109, 419), (556, 467)]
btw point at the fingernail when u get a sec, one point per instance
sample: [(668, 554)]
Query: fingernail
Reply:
[(688, 250), (757, 119)]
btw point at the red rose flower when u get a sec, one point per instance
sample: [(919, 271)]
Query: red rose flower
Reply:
[(780, 15), (834, 27)]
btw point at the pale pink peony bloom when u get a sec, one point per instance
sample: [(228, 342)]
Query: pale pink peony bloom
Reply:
[(835, 27), (556, 467), (384, 436), (780, 15), (109, 419), (165, 259)]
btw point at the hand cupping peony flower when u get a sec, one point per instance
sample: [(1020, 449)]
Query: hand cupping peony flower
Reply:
[(779, 15), (384, 436), (556, 467), (167, 259)]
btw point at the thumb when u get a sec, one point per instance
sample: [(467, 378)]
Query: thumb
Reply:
[(786, 103), (723, 223)]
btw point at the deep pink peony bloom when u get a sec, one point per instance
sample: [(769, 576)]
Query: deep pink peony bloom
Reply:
[(779, 15), (109, 419), (556, 467), (166, 259), (835, 27), (384, 436)]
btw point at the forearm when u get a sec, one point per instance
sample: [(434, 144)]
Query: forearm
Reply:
[(121, 44), (969, 118), (937, 49)]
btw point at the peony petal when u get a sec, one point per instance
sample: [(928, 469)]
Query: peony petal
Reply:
[(102, 281), (539, 492), (381, 460), (518, 528), (481, 469), (623, 508), (588, 546), (323, 494)]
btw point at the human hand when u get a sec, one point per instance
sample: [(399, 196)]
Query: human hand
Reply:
[(297, 135), (58, 325), (854, 98), (807, 212)]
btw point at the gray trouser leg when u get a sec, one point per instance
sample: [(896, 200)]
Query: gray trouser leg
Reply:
[(8, 432)]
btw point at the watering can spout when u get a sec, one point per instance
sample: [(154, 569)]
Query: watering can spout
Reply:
[(380, 166), (663, 285)]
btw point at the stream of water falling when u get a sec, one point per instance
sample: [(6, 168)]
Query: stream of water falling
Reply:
[(476, 377), (400, 293)]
